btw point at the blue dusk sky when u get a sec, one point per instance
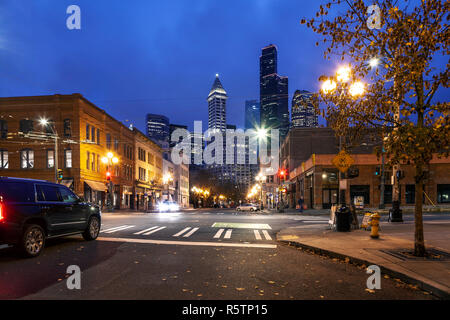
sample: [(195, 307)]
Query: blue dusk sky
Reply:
[(144, 56)]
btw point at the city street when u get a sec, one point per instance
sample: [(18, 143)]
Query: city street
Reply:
[(201, 254)]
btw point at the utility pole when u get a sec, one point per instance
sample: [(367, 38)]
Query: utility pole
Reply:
[(382, 178)]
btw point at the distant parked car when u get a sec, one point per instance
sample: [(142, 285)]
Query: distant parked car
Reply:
[(32, 211), (247, 207)]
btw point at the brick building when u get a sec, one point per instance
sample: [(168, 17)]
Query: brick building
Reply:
[(85, 134), (317, 181)]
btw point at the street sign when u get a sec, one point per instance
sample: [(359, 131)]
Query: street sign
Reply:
[(343, 161)]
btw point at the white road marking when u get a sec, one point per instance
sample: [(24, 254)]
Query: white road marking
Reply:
[(189, 243), (218, 233), (104, 230), (118, 229), (190, 233), (153, 231), (181, 232), (266, 234), (315, 221), (206, 212), (228, 234), (145, 230), (257, 235)]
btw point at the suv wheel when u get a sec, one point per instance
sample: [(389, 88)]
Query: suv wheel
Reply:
[(33, 240), (92, 230)]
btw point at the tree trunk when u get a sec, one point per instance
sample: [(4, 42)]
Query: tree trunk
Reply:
[(419, 242)]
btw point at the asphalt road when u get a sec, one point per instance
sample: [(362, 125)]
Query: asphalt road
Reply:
[(203, 254)]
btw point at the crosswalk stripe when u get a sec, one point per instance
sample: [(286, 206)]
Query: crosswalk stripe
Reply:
[(228, 234), (257, 235), (266, 234), (181, 232), (145, 230), (156, 230), (117, 229), (111, 229), (218, 233), (190, 233)]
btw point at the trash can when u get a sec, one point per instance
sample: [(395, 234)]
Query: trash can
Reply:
[(395, 213), (343, 219)]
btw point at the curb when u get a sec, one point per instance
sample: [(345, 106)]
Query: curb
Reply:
[(405, 278)]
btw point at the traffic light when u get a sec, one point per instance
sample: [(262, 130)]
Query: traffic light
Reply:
[(60, 174), (282, 173), (352, 173), (377, 171), (108, 176)]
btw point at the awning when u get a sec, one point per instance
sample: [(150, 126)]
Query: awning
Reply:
[(95, 185), (67, 182)]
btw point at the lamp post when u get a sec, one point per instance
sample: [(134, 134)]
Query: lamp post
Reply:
[(45, 123), (109, 160), (261, 179), (356, 89), (167, 178)]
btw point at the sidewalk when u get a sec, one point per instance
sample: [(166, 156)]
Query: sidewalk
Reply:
[(430, 274), (405, 209)]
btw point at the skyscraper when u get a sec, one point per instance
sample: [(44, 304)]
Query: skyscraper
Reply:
[(304, 114), (274, 102), (158, 129), (217, 100), (252, 114)]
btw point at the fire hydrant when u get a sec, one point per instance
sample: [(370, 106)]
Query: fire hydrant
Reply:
[(375, 226)]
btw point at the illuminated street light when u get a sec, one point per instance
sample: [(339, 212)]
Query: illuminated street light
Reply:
[(43, 122), (115, 160), (357, 89), (343, 74), (105, 160), (110, 155), (328, 86), (374, 62)]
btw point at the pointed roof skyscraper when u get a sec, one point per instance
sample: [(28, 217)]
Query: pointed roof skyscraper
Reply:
[(217, 106)]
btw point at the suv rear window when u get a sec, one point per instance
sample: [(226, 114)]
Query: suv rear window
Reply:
[(16, 191)]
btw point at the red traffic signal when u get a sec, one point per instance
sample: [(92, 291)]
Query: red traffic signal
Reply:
[(282, 173), (108, 176)]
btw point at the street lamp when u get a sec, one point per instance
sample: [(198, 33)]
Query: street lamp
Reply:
[(45, 123), (109, 160), (167, 178), (261, 179), (355, 90)]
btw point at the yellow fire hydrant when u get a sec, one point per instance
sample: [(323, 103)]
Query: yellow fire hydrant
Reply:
[(375, 226)]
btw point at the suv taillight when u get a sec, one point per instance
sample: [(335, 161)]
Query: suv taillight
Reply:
[(2, 212)]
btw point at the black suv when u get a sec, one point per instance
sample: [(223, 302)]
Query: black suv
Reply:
[(32, 211)]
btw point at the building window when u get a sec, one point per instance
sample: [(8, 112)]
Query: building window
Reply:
[(93, 134), (50, 158), (49, 128), (98, 136), (98, 163), (27, 159), (4, 159), (116, 144), (93, 162), (87, 159), (88, 131), (26, 125), (68, 158), (142, 173), (443, 193), (108, 141), (410, 193), (3, 129), (67, 128)]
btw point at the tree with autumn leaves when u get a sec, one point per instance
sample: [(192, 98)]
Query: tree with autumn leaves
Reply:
[(397, 52)]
